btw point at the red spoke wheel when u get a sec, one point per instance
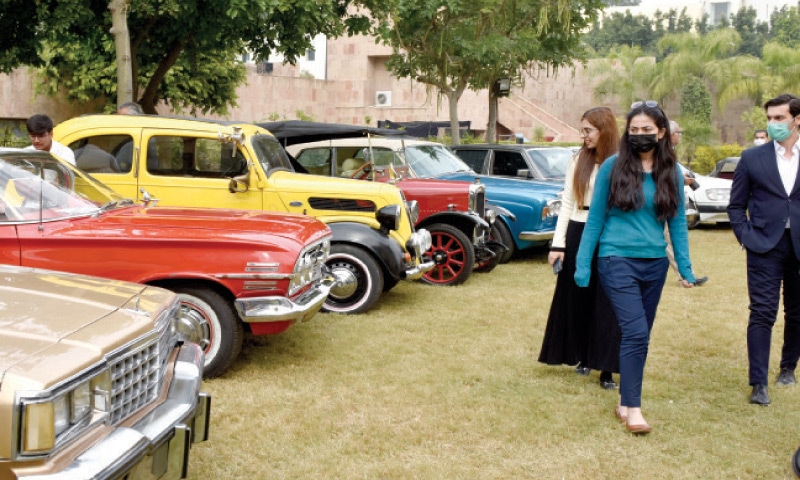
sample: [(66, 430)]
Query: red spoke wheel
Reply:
[(452, 253)]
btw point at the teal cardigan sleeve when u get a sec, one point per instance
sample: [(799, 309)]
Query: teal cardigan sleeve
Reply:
[(679, 234), (598, 210)]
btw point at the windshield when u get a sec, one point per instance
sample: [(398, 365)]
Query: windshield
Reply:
[(36, 186), (429, 161), (552, 162), (270, 153)]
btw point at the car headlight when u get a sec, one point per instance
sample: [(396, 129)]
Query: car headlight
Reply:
[(552, 208), (718, 194), (490, 216), (52, 416), (419, 242), (389, 217)]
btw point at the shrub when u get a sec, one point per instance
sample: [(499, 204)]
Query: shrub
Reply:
[(706, 156)]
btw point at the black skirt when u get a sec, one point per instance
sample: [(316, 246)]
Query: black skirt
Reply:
[(581, 326)]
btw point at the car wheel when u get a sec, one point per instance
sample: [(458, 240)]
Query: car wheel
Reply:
[(453, 256), (211, 322), (359, 280), (389, 282), (696, 222), (487, 265), (501, 233)]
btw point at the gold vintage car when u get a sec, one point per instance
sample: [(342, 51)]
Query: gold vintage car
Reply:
[(94, 381), (203, 163)]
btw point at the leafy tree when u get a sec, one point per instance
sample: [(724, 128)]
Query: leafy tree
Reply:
[(695, 117), (183, 52), (785, 27), (622, 29), (624, 75), (693, 55), (752, 32), (455, 45)]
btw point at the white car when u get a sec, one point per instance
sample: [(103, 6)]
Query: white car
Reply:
[(710, 199)]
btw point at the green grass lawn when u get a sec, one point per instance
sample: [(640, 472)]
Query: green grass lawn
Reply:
[(443, 383)]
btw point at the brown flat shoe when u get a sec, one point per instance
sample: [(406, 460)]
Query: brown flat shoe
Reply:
[(620, 417), (639, 429)]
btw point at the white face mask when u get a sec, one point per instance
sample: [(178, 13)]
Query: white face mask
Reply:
[(759, 141)]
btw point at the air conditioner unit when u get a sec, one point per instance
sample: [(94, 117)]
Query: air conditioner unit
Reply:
[(383, 98)]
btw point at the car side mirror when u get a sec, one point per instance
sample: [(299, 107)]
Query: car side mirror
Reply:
[(240, 183), (524, 173)]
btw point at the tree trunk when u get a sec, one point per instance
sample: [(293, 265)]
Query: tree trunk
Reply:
[(491, 125), (149, 99), (122, 42), (453, 96)]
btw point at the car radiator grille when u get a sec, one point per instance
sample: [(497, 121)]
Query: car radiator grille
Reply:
[(136, 377), (480, 204)]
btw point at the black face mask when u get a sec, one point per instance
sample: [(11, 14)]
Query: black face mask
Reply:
[(642, 143)]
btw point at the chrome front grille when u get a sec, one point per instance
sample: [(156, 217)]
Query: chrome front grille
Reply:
[(136, 376), (477, 199)]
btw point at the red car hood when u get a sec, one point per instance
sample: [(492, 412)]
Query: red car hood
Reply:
[(218, 223)]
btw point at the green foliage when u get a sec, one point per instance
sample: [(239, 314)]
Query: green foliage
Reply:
[(696, 100), (753, 33), (707, 156), (183, 51), (624, 75), (785, 26), (301, 115), (538, 133), (756, 119), (620, 29), (459, 45), (367, 120), (9, 139)]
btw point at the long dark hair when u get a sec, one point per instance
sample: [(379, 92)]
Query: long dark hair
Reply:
[(602, 118), (626, 176)]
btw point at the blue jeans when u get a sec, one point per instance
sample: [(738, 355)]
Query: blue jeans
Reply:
[(633, 285)]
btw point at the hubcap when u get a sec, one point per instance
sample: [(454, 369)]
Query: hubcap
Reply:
[(346, 282), (192, 325)]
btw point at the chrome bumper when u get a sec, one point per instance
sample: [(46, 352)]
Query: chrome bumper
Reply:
[(537, 236), (278, 309), (415, 273), (157, 446)]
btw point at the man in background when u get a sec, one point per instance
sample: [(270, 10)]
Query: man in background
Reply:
[(760, 137), (40, 132)]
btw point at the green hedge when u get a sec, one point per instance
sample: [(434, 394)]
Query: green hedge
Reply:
[(706, 157)]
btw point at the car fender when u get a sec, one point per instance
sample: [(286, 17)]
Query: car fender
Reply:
[(385, 249), (501, 211), (466, 222)]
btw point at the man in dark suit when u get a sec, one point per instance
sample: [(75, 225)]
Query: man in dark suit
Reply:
[(764, 211)]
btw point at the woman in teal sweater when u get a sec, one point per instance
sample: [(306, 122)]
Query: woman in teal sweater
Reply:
[(636, 192)]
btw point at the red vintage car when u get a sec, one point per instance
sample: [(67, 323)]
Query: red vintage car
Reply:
[(454, 212), (233, 270)]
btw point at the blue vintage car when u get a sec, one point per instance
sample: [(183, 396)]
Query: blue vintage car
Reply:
[(528, 209)]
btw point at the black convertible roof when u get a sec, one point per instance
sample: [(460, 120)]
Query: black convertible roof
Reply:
[(290, 132)]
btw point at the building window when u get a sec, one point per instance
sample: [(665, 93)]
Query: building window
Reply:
[(311, 54), (719, 11)]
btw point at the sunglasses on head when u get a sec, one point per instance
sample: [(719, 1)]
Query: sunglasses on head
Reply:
[(648, 103)]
